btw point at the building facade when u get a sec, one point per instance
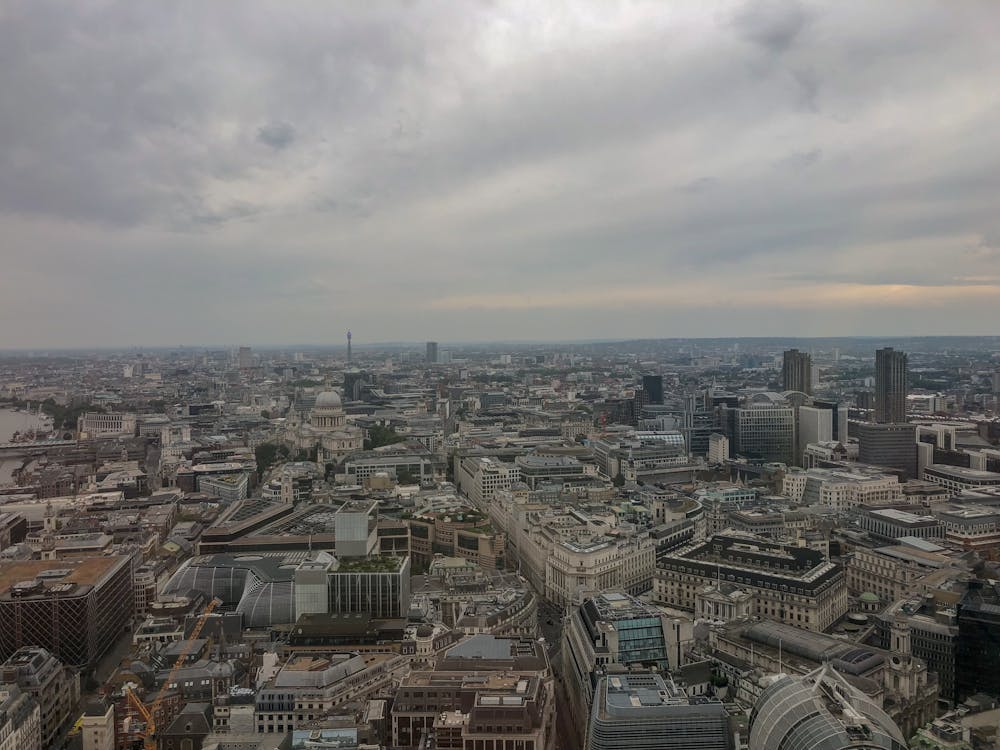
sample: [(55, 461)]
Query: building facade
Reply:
[(796, 371), (889, 444), (74, 608), (648, 712), (891, 386), (793, 585)]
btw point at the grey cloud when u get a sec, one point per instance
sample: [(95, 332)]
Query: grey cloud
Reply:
[(772, 24), (800, 159), (698, 185), (316, 157), (277, 135)]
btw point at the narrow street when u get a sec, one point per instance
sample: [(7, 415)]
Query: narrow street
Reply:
[(550, 624)]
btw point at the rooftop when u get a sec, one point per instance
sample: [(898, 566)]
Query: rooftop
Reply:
[(88, 571), (384, 564)]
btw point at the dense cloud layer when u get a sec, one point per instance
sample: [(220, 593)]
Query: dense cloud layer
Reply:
[(270, 172)]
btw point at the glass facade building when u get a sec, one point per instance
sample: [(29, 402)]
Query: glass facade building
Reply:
[(820, 711)]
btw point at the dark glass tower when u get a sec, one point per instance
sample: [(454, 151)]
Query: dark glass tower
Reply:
[(796, 371), (890, 386)]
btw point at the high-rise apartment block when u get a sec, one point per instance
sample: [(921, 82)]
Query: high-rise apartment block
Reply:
[(432, 352), (890, 386), (796, 371)]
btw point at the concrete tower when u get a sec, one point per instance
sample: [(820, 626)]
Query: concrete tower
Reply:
[(348, 346)]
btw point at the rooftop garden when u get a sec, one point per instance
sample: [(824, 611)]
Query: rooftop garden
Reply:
[(370, 565)]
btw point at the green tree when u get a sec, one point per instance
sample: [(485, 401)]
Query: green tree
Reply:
[(379, 436), (267, 454)]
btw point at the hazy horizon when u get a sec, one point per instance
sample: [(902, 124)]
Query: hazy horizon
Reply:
[(878, 339), (197, 172)]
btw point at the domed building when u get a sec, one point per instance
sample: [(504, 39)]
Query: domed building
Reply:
[(326, 431), (820, 711)]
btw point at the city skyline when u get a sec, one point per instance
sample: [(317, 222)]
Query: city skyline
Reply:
[(192, 173)]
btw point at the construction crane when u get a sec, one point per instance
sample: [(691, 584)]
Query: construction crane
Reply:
[(149, 712)]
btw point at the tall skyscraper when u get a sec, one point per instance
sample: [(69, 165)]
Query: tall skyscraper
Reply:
[(432, 352), (245, 358), (890, 386), (796, 371), (653, 386)]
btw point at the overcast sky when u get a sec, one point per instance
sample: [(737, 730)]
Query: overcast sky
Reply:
[(253, 172)]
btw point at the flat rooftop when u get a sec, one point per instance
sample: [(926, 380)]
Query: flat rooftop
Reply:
[(901, 516), (962, 472), (87, 572)]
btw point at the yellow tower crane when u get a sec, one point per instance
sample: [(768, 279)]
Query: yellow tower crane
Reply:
[(149, 712)]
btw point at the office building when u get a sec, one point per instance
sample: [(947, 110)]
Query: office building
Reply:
[(652, 386), (841, 489), (889, 524), (973, 527), (74, 608), (263, 587), (890, 386), (933, 628), (763, 430), (432, 353), (226, 487), (534, 469), (111, 424), (815, 426), (355, 528), (97, 725), (648, 712), (481, 477), (310, 687), (53, 687), (484, 692), (614, 628), (244, 358), (796, 371), (790, 584), (20, 720), (839, 417), (958, 479), (893, 445), (718, 448), (977, 663), (377, 585), (820, 711)]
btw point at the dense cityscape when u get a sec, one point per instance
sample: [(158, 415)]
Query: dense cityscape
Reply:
[(499, 375), (720, 544)]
